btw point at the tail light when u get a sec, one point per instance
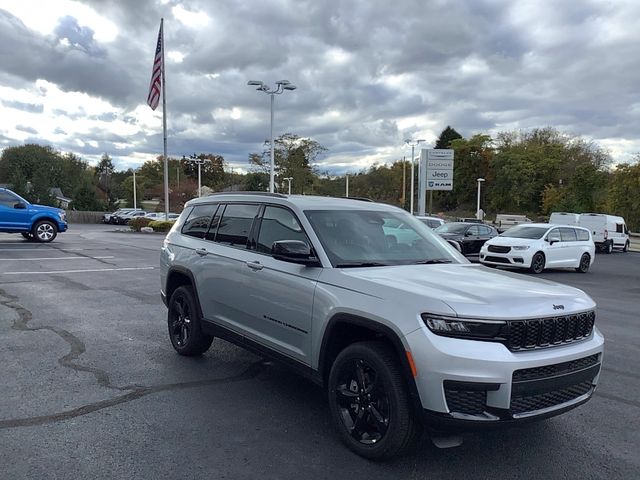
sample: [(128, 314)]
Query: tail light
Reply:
[(606, 234)]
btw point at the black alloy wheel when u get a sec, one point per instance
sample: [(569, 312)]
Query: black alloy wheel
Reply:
[(537, 263), (369, 402), (585, 262), (183, 321)]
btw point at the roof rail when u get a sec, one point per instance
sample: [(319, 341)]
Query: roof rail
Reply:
[(266, 194), (362, 199)]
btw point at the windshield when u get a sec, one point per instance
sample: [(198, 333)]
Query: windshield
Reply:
[(452, 228), (359, 238), (521, 231)]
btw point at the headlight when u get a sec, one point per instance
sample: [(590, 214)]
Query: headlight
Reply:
[(521, 247), (463, 327), (62, 215)]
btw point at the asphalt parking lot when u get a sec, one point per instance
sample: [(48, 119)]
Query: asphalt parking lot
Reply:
[(91, 388)]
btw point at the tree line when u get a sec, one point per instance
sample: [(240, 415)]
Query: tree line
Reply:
[(532, 172)]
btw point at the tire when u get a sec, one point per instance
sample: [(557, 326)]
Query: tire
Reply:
[(27, 236), (537, 263), (585, 263), (44, 231), (609, 248), (625, 249), (183, 322), (369, 401)]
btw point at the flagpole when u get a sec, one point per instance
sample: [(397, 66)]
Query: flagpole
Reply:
[(164, 131)]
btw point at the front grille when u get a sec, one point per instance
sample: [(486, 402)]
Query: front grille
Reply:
[(522, 404), (466, 401), (491, 258), (544, 332), (499, 249), (554, 370)]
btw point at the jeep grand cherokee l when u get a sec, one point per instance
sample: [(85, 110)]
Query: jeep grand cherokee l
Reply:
[(400, 328)]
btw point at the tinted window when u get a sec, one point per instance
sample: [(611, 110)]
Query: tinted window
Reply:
[(583, 235), (452, 228), (198, 222), (568, 234), (278, 224), (484, 230), (532, 233), (619, 227), (432, 223), (235, 224), (8, 200), (554, 234), (474, 230)]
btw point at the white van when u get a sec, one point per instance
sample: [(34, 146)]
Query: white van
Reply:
[(608, 231), (564, 218), (505, 221)]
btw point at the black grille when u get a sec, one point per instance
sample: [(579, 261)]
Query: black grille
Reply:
[(553, 370), (498, 249), (531, 403), (491, 258), (544, 332), (465, 401)]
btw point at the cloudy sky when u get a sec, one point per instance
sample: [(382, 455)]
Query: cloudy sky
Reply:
[(370, 73)]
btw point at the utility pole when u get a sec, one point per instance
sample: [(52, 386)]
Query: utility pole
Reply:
[(135, 200), (346, 194), (404, 180)]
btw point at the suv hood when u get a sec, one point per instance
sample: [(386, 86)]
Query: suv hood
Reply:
[(468, 289), (46, 208)]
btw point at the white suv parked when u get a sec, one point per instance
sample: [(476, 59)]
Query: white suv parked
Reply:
[(400, 329), (537, 246)]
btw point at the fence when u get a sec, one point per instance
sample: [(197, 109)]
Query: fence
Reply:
[(75, 216)]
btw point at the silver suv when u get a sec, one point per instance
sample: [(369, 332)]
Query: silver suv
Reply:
[(400, 329)]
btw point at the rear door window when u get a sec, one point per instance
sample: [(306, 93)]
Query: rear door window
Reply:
[(583, 235), (198, 221), (235, 224), (568, 234)]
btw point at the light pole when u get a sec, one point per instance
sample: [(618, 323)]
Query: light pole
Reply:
[(412, 143), (480, 180), (281, 86), (135, 197), (288, 179), (198, 161), (346, 186)]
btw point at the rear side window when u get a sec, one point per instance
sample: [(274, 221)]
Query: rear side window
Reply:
[(279, 224), (568, 234), (235, 224), (619, 227), (198, 221), (583, 235)]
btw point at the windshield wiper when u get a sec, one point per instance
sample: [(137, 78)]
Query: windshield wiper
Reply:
[(361, 264), (433, 261)]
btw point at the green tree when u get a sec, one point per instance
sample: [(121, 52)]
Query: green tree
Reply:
[(447, 136), (84, 196), (624, 193)]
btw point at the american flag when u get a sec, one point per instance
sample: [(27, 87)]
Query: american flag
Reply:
[(156, 74)]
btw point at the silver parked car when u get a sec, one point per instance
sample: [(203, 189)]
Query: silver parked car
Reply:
[(399, 327)]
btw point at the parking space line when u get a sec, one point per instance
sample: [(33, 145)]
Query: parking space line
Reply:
[(41, 249), (123, 269), (56, 258)]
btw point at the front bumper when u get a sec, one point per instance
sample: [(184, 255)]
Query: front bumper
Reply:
[(463, 383), (515, 258)]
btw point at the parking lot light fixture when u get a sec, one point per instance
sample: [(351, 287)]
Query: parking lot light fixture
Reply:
[(412, 143), (198, 161), (289, 179), (281, 86)]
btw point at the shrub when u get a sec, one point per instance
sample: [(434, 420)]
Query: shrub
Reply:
[(137, 223), (161, 225)]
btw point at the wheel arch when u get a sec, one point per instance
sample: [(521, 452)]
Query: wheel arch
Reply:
[(178, 277), (345, 329), (43, 217)]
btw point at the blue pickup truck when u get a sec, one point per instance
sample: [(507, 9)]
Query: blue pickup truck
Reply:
[(34, 222)]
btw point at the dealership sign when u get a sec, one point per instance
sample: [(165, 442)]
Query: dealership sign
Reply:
[(435, 173)]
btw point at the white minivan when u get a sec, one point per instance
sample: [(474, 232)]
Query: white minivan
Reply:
[(537, 246)]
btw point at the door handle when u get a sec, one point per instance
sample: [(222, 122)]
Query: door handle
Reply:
[(255, 265), (202, 251)]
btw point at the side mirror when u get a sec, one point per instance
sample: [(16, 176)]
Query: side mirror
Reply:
[(553, 239), (294, 251), (19, 206)]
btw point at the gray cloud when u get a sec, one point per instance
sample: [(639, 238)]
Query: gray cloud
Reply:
[(363, 68)]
